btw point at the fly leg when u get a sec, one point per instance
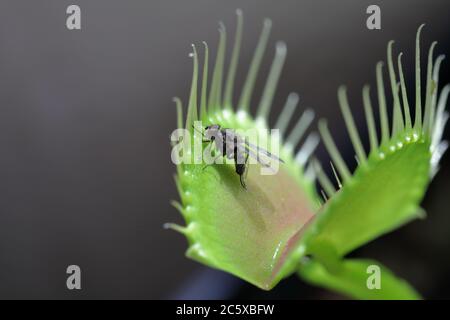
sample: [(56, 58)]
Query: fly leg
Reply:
[(241, 164), (243, 176)]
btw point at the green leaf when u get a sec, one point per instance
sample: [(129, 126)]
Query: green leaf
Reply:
[(356, 278)]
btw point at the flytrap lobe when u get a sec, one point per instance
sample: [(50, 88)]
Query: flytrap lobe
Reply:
[(253, 233), (280, 225), (399, 165), (389, 182)]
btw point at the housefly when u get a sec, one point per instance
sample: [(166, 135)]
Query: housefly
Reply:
[(238, 148)]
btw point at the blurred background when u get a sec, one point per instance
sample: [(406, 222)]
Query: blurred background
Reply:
[(85, 118)]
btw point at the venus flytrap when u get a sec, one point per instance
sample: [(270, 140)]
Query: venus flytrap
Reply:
[(280, 225), (252, 233)]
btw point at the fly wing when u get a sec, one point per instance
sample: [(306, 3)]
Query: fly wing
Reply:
[(232, 142), (260, 150), (256, 156), (232, 138)]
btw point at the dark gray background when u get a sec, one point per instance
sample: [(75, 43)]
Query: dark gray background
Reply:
[(85, 117)]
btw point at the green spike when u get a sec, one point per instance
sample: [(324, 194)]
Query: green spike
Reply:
[(418, 120), (176, 227), (333, 151), (179, 122), (286, 113), (228, 98), (244, 101), (404, 93), (324, 196), (178, 183), (442, 103), (382, 104), (215, 93), (310, 174), (323, 179), (307, 149), (441, 115), (192, 107), (397, 121), (179, 112), (400, 123), (436, 68), (204, 83), (177, 206), (429, 93), (370, 118), (272, 81), (350, 123), (299, 130)]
